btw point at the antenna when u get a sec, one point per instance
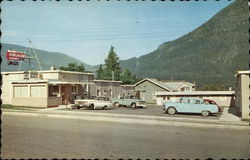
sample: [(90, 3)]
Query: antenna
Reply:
[(29, 57)]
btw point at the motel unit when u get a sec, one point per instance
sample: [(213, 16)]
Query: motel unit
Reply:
[(48, 88)]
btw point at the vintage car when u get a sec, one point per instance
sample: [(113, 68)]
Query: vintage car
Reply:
[(91, 104), (128, 102), (209, 101), (190, 105)]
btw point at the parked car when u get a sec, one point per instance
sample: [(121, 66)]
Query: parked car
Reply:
[(190, 105), (129, 102), (91, 104), (209, 101)]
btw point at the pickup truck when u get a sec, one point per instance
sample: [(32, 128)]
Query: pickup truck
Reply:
[(129, 102)]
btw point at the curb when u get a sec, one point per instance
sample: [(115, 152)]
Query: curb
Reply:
[(138, 119)]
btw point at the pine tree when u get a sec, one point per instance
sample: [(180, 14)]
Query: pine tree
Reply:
[(100, 73), (112, 65)]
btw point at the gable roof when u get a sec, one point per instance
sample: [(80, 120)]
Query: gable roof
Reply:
[(167, 85)]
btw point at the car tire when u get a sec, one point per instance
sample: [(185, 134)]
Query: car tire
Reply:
[(171, 110), (133, 105), (92, 106), (105, 107), (205, 113), (116, 104)]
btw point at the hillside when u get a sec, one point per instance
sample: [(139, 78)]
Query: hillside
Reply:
[(46, 59), (208, 55)]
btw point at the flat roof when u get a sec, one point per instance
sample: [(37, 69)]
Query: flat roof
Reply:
[(244, 72), (97, 80), (47, 81), (48, 71), (195, 93)]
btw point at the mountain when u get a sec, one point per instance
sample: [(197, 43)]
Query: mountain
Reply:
[(46, 59), (210, 54)]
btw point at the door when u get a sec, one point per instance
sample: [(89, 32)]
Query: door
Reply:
[(65, 95)]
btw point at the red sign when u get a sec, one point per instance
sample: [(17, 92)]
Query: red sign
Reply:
[(15, 55)]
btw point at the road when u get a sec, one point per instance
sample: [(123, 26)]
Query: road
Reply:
[(43, 137)]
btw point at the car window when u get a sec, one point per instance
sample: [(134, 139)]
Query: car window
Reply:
[(184, 101)]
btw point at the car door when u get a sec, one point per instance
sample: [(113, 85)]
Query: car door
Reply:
[(183, 106)]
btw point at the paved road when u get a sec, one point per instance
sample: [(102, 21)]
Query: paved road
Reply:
[(40, 137), (148, 110)]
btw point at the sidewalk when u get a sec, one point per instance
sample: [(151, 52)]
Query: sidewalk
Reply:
[(226, 121)]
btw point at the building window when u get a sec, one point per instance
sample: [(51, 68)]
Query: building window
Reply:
[(98, 92), (53, 91), (37, 91), (164, 98), (20, 91), (168, 98)]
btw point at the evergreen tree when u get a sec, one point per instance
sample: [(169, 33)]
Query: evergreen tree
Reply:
[(112, 65), (100, 72), (127, 77), (74, 67)]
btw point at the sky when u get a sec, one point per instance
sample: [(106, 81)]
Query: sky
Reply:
[(87, 29)]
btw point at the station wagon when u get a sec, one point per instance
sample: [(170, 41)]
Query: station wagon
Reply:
[(190, 105)]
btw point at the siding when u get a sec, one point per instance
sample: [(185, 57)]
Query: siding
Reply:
[(147, 90)]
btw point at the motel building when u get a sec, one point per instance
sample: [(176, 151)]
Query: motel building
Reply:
[(48, 88)]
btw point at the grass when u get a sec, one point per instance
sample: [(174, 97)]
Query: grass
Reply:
[(7, 106)]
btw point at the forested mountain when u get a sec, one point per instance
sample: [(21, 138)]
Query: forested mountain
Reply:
[(46, 59), (211, 54)]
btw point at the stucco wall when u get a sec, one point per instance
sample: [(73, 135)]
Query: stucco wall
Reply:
[(245, 93), (34, 102)]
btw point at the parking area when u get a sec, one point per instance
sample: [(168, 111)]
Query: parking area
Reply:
[(150, 110)]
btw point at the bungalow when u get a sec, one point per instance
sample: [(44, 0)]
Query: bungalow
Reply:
[(147, 87)]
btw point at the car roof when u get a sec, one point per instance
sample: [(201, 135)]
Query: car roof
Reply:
[(193, 98)]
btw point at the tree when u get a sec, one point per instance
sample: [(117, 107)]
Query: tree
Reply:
[(127, 77), (112, 65), (100, 72), (74, 67)]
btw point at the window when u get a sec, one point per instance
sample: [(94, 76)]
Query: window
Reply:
[(53, 91), (164, 98), (184, 101), (37, 91), (20, 91)]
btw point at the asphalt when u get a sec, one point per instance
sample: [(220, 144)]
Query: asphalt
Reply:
[(43, 136), (164, 119)]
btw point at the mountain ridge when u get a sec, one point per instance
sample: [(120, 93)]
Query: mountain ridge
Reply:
[(46, 58), (210, 54)]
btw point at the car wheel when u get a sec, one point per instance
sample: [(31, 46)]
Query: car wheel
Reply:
[(171, 110), (92, 106), (116, 104), (133, 105), (104, 107), (205, 113)]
